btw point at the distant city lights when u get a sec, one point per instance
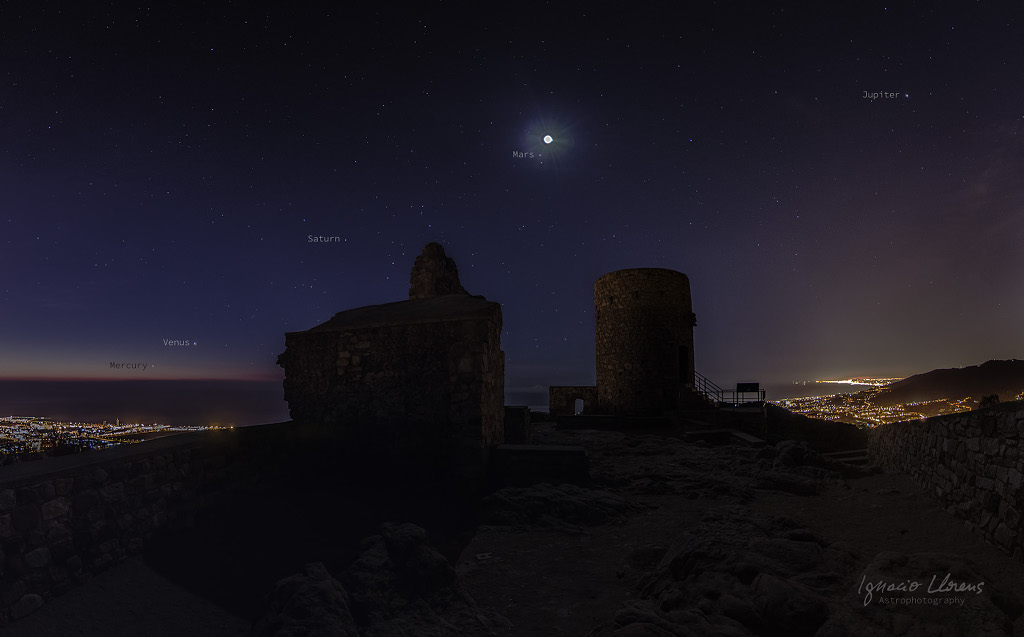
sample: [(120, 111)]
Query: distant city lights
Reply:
[(858, 408), (20, 434), (868, 382)]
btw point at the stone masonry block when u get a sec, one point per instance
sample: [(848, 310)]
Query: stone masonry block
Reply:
[(7, 500), (55, 508)]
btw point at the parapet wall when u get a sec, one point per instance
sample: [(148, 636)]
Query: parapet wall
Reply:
[(64, 519), (972, 462), (562, 399), (426, 389)]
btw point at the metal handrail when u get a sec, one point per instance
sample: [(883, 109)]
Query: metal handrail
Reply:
[(723, 396), (705, 386)]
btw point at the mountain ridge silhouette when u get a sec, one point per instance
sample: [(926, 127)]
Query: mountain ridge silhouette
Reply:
[(1002, 377)]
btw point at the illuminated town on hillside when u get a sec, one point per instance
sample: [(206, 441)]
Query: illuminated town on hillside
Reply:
[(859, 409), (26, 434)]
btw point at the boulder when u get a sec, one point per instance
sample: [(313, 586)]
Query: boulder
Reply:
[(308, 604), (401, 585)]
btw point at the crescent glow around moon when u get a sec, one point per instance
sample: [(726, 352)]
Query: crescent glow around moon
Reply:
[(548, 139)]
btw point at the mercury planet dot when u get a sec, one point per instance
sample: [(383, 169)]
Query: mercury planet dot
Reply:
[(548, 139)]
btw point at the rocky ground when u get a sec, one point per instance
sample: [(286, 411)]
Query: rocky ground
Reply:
[(680, 539), (670, 539)]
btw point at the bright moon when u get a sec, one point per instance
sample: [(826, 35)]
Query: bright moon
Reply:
[(548, 139)]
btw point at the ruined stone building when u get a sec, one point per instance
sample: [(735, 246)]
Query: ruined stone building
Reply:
[(644, 324), (418, 381)]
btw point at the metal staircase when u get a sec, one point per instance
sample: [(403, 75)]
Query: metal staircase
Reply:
[(725, 397)]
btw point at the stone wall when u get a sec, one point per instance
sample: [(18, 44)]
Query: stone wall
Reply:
[(562, 399), (477, 401), (644, 330), (416, 382), (64, 519), (971, 462), (302, 489), (518, 427)]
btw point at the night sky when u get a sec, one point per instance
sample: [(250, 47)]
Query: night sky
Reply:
[(163, 167)]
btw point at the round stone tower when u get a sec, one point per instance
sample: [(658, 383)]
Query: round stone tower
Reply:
[(644, 324)]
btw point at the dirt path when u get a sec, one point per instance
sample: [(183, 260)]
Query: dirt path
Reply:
[(889, 512)]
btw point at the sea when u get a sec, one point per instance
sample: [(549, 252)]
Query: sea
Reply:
[(781, 391), (178, 403)]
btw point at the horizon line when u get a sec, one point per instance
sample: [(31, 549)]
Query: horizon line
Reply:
[(64, 379)]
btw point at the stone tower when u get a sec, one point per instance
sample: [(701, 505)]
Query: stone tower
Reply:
[(644, 327)]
